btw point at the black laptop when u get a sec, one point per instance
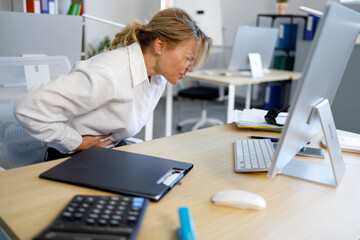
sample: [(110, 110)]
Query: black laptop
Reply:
[(120, 172)]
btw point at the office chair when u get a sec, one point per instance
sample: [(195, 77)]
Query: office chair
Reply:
[(205, 92), (17, 147)]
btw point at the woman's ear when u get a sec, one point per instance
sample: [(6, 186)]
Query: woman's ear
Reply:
[(159, 45)]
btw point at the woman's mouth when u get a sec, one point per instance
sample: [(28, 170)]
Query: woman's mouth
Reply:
[(182, 75)]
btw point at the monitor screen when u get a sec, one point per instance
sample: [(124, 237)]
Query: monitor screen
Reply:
[(253, 40), (322, 73)]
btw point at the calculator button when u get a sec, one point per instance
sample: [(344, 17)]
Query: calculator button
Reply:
[(90, 221), (103, 222), (117, 217)]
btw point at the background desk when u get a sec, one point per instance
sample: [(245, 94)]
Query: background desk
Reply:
[(231, 82), (296, 209)]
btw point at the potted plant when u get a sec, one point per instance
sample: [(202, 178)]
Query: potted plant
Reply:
[(104, 45), (281, 6)]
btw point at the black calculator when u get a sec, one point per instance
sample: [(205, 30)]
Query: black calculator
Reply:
[(98, 217)]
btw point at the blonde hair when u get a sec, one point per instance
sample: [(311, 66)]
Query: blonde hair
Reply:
[(173, 25)]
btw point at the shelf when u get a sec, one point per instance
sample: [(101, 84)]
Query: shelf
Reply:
[(275, 16), (284, 57), (283, 16)]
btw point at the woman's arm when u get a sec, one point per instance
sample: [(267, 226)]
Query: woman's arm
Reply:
[(45, 110)]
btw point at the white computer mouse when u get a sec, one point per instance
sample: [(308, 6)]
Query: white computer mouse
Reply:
[(239, 199)]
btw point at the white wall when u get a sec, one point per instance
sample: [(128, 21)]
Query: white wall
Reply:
[(121, 11)]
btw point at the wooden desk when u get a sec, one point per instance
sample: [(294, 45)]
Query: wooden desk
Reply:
[(296, 209), (231, 82)]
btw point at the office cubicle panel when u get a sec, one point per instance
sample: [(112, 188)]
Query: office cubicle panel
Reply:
[(40, 34)]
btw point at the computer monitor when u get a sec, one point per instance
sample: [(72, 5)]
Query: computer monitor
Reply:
[(252, 40), (310, 110)]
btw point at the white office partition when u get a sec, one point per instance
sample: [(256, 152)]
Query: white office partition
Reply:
[(40, 34)]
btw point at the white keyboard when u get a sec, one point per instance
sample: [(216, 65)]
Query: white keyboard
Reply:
[(253, 155)]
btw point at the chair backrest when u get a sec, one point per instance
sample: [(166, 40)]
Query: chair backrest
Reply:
[(17, 75), (218, 59)]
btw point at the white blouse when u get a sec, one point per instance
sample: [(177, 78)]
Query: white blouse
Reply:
[(108, 93)]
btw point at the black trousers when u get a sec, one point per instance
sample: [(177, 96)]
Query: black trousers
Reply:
[(53, 154)]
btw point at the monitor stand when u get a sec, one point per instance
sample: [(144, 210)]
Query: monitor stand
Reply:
[(329, 175)]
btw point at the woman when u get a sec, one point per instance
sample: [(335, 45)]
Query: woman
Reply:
[(110, 97)]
